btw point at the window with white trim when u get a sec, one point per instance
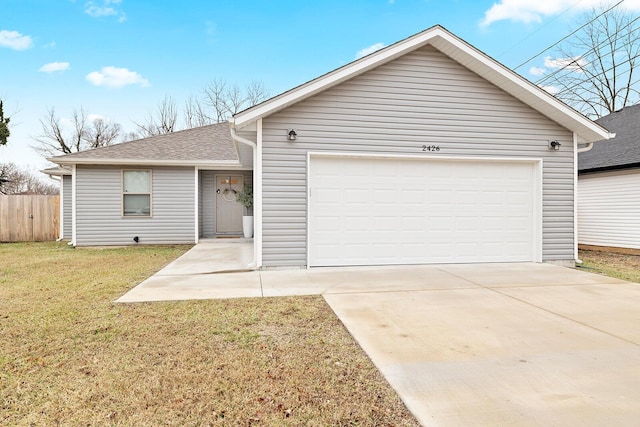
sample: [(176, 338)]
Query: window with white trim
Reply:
[(136, 193)]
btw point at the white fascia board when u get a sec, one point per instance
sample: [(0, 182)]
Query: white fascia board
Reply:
[(228, 164)]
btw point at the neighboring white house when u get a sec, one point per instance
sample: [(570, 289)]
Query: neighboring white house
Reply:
[(609, 184), (427, 151)]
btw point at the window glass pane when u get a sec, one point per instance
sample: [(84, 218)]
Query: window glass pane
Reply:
[(137, 204), (136, 182)]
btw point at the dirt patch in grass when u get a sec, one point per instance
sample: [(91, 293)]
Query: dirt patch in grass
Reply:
[(69, 356), (618, 265)]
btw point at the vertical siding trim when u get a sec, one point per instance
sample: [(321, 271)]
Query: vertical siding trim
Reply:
[(61, 209), (575, 196), (257, 196), (196, 207), (73, 205), (539, 207), (308, 219)]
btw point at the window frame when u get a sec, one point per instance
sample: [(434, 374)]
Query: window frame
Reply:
[(123, 193)]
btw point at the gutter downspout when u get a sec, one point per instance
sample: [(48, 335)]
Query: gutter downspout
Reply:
[(586, 148), (589, 145), (254, 149)]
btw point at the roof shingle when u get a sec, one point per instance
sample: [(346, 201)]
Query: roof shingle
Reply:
[(619, 152), (209, 143)]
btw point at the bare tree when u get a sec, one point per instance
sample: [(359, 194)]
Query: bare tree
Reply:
[(195, 113), (83, 134), (162, 120), (256, 93), (219, 102), (227, 100), (102, 133), (14, 180), (130, 136), (596, 71), (215, 97)]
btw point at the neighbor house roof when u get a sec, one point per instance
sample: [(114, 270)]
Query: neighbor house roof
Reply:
[(623, 151), (456, 49), (206, 145)]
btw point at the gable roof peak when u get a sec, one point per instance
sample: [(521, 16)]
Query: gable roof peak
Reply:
[(458, 50)]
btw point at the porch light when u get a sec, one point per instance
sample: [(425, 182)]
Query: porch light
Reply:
[(554, 145), (291, 135)]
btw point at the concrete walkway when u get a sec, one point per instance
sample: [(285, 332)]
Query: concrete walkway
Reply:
[(473, 344)]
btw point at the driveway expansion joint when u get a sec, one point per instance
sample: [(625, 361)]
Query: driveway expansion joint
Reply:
[(602, 331)]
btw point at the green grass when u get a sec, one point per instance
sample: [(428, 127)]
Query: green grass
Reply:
[(70, 356), (620, 266)]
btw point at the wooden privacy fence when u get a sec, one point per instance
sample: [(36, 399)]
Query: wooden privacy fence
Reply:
[(29, 218)]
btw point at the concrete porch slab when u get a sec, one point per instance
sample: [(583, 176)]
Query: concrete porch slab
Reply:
[(199, 286)]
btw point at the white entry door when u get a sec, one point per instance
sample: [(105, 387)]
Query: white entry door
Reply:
[(228, 211), (377, 211)]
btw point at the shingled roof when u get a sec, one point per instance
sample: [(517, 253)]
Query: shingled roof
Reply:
[(621, 152), (203, 145)]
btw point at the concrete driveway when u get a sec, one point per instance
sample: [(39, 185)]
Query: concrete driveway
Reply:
[(475, 344), (510, 344)]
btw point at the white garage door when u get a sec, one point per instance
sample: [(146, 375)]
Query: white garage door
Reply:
[(379, 211)]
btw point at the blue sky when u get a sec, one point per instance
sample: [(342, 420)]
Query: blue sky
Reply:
[(118, 59)]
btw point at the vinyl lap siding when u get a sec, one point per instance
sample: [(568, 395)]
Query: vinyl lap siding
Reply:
[(207, 204), (67, 208), (421, 98), (99, 218), (609, 209)]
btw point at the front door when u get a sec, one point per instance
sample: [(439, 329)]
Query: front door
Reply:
[(228, 210)]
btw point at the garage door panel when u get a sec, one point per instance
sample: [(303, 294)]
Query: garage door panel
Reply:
[(397, 211)]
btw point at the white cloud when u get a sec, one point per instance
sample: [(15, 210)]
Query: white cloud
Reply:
[(105, 8), (116, 77), (572, 64), (14, 40), (528, 11), (551, 89), (537, 71), (52, 67), (367, 50), (93, 117)]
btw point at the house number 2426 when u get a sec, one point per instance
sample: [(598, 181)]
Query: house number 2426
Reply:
[(430, 148)]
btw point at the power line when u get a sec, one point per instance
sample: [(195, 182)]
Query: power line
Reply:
[(569, 35), (593, 49), (541, 27), (603, 73)]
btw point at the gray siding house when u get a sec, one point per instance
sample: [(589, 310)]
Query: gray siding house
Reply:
[(427, 151), (157, 190), (609, 184)]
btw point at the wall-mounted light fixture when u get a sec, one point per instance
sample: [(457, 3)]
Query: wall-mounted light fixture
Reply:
[(291, 134), (554, 145)]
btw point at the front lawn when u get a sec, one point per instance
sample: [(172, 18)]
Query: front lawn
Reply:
[(621, 266), (70, 356)]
